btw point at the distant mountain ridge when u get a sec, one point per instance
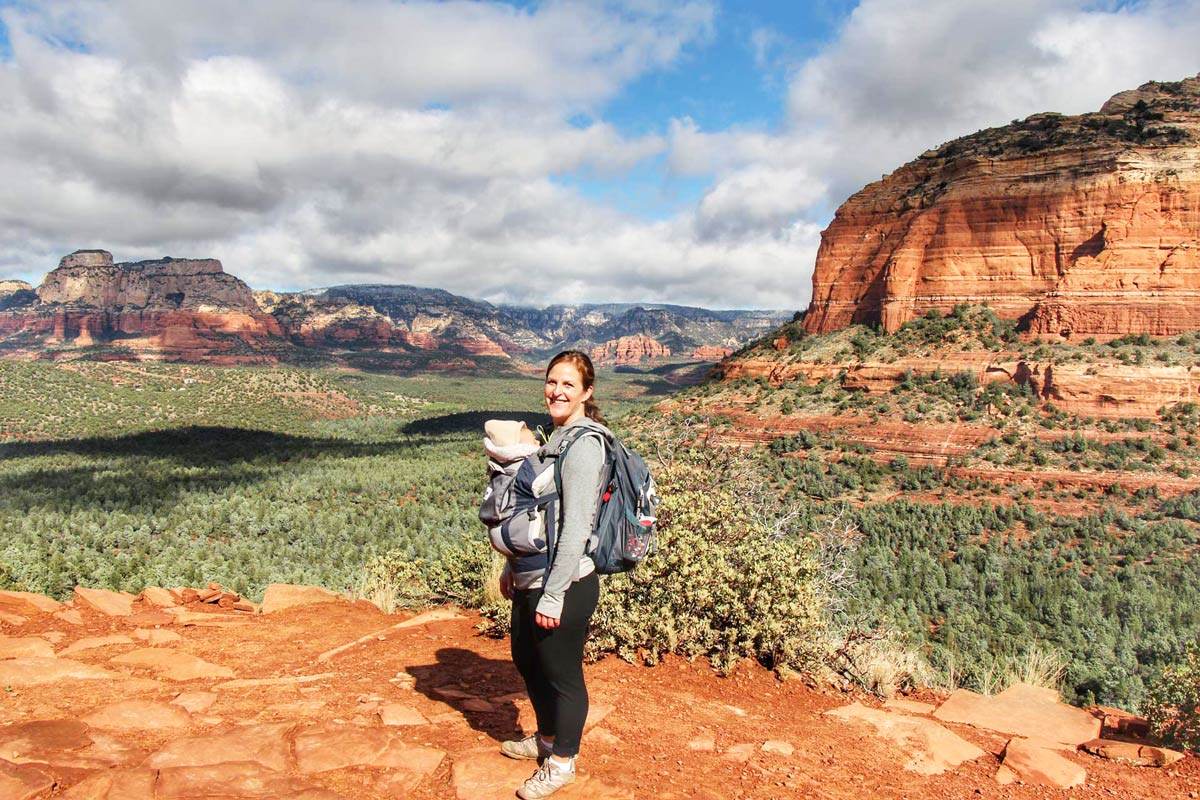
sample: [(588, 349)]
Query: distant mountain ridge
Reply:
[(192, 309)]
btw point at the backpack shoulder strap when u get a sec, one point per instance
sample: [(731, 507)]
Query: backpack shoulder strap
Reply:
[(570, 439)]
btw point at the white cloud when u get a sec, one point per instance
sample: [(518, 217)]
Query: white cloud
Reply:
[(310, 144)]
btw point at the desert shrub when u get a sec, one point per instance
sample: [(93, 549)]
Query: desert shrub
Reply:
[(459, 573), (1173, 704), (723, 585)]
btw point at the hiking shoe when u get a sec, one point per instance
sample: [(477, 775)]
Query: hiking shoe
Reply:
[(547, 780), (530, 747)]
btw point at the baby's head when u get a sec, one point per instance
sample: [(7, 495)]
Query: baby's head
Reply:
[(506, 432)]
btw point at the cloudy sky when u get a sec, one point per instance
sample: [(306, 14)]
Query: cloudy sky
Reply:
[(535, 152)]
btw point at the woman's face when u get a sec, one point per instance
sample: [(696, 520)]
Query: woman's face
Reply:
[(565, 394)]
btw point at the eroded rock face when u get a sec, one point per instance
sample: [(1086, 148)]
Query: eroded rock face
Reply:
[(1078, 225), (629, 350)]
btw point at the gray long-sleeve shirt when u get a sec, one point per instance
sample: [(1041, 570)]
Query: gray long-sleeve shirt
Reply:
[(581, 471)]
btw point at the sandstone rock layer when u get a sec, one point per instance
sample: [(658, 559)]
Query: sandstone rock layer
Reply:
[(1074, 225)]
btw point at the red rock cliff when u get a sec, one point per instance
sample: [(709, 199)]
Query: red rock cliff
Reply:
[(1079, 225), (629, 350)]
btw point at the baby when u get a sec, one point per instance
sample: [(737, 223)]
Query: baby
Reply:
[(507, 443)]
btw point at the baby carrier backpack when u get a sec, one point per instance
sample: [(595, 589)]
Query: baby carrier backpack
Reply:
[(521, 508)]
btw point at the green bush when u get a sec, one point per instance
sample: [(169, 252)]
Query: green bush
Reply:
[(722, 585), (1173, 705)]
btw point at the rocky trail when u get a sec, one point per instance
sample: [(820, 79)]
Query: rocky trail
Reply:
[(313, 697)]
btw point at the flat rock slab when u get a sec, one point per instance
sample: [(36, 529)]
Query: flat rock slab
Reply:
[(172, 665), (931, 749), (195, 702), (1142, 755), (24, 781), (32, 741), (136, 715), (28, 603), (266, 745), (330, 747), (157, 636), (1027, 711), (116, 784), (71, 616), (279, 596), (287, 680), (94, 642), (487, 775), (37, 671), (112, 604), (426, 617), (235, 781), (24, 647), (158, 596), (778, 747), (395, 714), (1032, 763)]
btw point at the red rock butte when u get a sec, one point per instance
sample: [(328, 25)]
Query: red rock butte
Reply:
[(1073, 225)]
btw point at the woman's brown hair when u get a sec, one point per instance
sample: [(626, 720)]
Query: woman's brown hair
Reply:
[(581, 362)]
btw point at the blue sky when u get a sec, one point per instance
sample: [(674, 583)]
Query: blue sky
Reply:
[(685, 151)]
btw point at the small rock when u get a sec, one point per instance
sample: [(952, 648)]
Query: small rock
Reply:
[(478, 704), (705, 743), (601, 736), (740, 752), (778, 746), (1142, 755)]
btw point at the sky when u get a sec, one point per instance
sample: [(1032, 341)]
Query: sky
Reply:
[(562, 151)]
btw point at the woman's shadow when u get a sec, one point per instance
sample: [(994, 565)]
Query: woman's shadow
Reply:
[(483, 690)]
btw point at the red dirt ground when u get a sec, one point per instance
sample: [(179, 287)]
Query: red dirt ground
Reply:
[(642, 744)]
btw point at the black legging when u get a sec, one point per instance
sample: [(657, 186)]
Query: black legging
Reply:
[(551, 661)]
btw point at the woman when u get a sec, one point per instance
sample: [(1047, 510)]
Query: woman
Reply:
[(550, 621)]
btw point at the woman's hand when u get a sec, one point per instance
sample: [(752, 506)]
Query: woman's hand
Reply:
[(506, 585), (548, 623)]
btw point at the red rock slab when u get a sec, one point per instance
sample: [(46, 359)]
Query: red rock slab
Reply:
[(285, 595), (487, 775), (157, 636), (172, 664), (909, 706), (236, 780), (16, 620), (93, 642), (426, 617), (112, 604), (28, 741), (287, 680), (36, 671), (24, 647), (158, 596), (24, 781), (1023, 710), (28, 603), (395, 714), (70, 616), (931, 749), (182, 616), (1142, 755), (136, 715), (195, 702), (266, 745), (115, 784), (1032, 763), (329, 747)]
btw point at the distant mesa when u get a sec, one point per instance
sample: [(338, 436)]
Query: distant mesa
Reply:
[(1081, 225), (192, 310)]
